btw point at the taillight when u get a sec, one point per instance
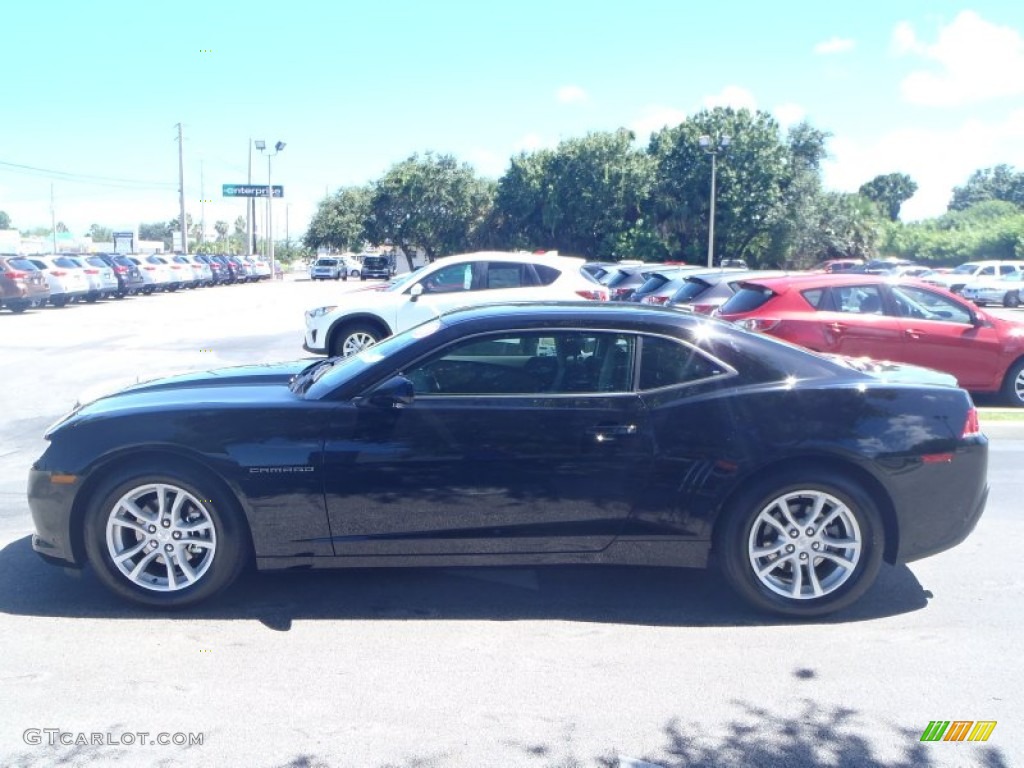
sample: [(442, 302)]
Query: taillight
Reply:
[(92, 271), (655, 300), (120, 270), (593, 295), (704, 309), (617, 292), (759, 324), (14, 275), (972, 427), (58, 272)]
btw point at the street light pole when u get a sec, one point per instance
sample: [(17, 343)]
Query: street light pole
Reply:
[(713, 149), (262, 147)]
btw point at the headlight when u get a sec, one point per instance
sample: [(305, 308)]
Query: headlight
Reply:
[(320, 311)]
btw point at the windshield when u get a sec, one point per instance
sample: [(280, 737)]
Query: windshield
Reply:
[(965, 269), (322, 378)]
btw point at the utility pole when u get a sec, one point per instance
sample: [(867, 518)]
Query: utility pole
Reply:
[(202, 203), (181, 190), (53, 219), (250, 203)]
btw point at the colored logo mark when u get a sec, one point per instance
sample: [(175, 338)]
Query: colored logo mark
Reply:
[(958, 730)]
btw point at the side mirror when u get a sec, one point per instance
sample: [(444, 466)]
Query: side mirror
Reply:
[(415, 292), (396, 392)]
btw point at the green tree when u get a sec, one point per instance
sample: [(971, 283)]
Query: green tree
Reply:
[(159, 230), (340, 220), (431, 202), (5, 220), (889, 192), (588, 197), (221, 228), (61, 226), (101, 234), (794, 238), (1000, 182), (752, 174)]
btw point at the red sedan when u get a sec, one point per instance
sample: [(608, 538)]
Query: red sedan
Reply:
[(901, 320)]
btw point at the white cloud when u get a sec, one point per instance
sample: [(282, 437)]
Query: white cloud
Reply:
[(654, 118), (963, 150), (532, 142), (732, 96), (487, 163), (834, 45), (571, 94), (971, 61), (789, 114)]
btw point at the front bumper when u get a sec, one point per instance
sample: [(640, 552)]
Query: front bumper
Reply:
[(51, 506)]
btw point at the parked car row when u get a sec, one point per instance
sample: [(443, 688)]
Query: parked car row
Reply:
[(59, 279)]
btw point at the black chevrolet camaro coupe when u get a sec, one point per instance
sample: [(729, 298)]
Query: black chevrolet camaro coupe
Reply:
[(520, 435)]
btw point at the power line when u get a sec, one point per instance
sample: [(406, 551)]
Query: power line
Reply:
[(85, 178)]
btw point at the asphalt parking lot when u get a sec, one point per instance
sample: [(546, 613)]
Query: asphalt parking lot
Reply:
[(554, 667)]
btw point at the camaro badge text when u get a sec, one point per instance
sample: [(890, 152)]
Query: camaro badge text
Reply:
[(278, 470)]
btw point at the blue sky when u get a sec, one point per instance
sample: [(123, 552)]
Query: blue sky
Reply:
[(93, 91)]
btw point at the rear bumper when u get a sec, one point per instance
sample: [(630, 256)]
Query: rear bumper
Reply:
[(936, 513)]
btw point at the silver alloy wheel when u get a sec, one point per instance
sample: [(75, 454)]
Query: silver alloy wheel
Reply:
[(161, 537), (805, 545), (356, 342)]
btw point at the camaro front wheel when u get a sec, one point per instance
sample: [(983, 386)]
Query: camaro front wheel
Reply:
[(164, 539), (802, 545)]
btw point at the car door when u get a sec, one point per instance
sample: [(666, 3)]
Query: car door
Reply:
[(941, 333), (516, 443), (853, 322)]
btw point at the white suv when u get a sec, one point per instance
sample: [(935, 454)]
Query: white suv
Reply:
[(328, 268), (971, 272), (362, 318)]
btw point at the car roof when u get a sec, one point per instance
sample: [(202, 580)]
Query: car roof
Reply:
[(804, 280), (564, 262)]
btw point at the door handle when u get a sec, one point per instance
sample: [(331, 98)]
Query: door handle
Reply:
[(607, 433), (913, 334), (836, 327)]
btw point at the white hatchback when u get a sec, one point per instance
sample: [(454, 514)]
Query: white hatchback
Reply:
[(362, 318)]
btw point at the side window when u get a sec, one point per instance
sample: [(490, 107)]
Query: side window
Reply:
[(666, 362), (530, 363), (506, 275), (858, 299), (457, 277), (1005, 269), (547, 275), (815, 297), (924, 305)]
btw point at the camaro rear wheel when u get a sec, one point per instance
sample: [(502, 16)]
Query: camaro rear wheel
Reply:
[(165, 539), (801, 544), (353, 339)]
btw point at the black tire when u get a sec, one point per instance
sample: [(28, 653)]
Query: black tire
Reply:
[(743, 530), (17, 306), (1011, 299), (351, 339), (1013, 385), (362, 277), (59, 301), (215, 559)]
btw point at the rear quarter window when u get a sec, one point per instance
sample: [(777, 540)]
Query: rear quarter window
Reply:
[(747, 299)]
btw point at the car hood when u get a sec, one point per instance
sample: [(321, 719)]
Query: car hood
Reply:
[(236, 386)]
